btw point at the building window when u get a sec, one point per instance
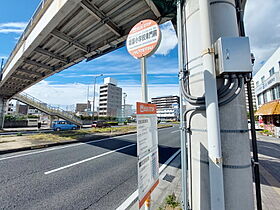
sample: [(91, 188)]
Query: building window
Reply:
[(271, 72), (273, 93), (277, 91), (265, 98), (257, 83), (259, 99), (262, 79)]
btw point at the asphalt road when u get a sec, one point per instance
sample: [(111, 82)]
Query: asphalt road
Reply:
[(97, 175)]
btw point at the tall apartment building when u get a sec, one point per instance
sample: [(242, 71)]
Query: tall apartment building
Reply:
[(267, 80), (110, 98), (167, 107)]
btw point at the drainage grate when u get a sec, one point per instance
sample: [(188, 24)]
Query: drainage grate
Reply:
[(168, 178)]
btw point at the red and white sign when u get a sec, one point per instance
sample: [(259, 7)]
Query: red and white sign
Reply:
[(147, 150), (143, 39)]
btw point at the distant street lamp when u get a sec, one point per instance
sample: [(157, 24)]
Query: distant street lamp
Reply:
[(124, 98), (93, 101)]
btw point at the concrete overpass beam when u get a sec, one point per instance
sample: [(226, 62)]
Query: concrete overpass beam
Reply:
[(100, 16), (29, 72), (40, 65), (2, 111), (52, 55), (63, 37)]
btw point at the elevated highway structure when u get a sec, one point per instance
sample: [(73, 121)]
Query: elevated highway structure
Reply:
[(63, 33)]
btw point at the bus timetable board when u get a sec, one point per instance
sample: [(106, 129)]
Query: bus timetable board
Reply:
[(147, 150)]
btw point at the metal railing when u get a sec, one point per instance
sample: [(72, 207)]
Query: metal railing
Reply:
[(44, 107), (28, 28)]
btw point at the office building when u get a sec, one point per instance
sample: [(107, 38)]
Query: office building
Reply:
[(110, 98), (267, 80), (83, 108), (167, 107)]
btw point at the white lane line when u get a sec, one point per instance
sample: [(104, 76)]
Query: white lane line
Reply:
[(72, 145), (88, 159), (134, 195), (175, 131), (63, 147)]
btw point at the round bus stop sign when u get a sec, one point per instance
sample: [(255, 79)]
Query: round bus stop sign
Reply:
[(143, 39)]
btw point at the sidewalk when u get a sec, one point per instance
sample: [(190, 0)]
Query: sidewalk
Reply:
[(169, 183), (269, 158)]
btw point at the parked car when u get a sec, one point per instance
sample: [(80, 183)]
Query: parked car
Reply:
[(100, 124), (63, 125)]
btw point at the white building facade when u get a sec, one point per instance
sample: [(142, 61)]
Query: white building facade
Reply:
[(110, 99), (267, 80), (167, 107)]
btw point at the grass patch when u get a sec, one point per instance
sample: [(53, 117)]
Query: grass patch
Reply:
[(170, 202), (266, 132), (58, 136)]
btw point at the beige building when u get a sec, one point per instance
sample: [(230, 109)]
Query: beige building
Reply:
[(110, 98)]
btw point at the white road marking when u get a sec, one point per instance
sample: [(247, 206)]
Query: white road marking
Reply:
[(175, 131), (88, 159), (134, 195), (63, 147)]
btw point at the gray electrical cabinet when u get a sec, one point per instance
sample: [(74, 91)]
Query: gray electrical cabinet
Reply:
[(233, 55)]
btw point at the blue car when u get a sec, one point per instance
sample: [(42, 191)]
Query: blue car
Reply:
[(63, 125)]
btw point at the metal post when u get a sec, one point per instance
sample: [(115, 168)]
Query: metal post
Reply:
[(145, 99), (182, 122), (212, 113), (93, 101), (144, 80), (2, 111), (88, 100), (252, 119), (124, 98), (1, 69)]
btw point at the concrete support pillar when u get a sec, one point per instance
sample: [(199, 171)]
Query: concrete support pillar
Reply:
[(238, 184), (2, 111), (52, 118)]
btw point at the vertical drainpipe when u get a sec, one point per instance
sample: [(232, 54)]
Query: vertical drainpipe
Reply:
[(212, 113), (182, 122)]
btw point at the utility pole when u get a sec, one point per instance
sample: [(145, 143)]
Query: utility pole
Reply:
[(1, 69), (218, 140), (93, 101), (124, 98), (88, 100)]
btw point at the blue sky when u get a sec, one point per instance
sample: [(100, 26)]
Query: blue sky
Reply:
[(70, 86)]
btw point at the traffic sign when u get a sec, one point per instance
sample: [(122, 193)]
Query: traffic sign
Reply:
[(143, 39)]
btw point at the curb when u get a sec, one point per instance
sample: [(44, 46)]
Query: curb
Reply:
[(61, 143)]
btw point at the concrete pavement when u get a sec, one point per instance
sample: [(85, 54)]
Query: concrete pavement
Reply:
[(96, 175), (269, 159)]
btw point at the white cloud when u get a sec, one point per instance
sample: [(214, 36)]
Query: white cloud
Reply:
[(262, 26), (72, 93), (12, 27), (169, 39), (3, 57)]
